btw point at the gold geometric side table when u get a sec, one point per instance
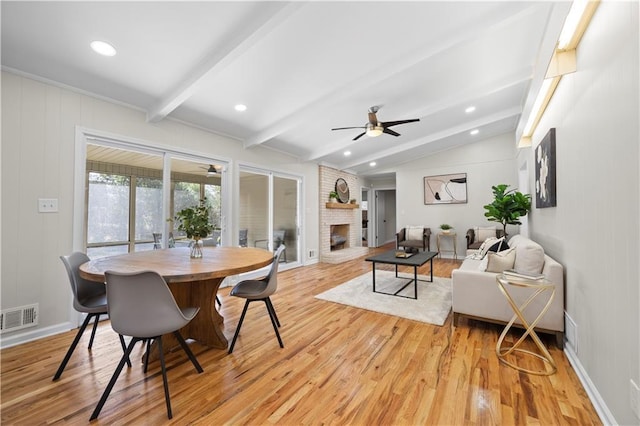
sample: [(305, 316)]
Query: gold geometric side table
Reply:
[(539, 288), (453, 237)]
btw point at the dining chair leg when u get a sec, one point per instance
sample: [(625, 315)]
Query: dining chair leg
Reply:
[(124, 348), (67, 356), (235, 336), (113, 380), (270, 305), (186, 348), (146, 355), (273, 321), (93, 331), (164, 378)]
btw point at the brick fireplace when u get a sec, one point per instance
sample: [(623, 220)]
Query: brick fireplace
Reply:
[(341, 220)]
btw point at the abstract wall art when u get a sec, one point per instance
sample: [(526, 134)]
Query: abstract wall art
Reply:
[(545, 157), (445, 189)]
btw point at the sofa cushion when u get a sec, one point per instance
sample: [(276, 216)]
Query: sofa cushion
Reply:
[(529, 256), (484, 232), (498, 262), (516, 239), (414, 233)]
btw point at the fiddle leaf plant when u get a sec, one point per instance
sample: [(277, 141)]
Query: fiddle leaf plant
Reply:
[(194, 221), (507, 206)]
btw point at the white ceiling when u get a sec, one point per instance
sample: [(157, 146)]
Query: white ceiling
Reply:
[(301, 68)]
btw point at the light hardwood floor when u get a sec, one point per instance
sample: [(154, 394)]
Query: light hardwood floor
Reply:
[(340, 365)]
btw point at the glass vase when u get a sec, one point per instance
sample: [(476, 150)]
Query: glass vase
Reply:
[(196, 248)]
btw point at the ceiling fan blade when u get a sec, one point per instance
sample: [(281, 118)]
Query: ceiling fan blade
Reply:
[(359, 136), (345, 128), (395, 123), (390, 132)]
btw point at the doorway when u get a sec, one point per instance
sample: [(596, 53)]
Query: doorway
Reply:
[(385, 216)]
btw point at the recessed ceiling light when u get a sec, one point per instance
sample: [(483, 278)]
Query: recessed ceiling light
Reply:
[(372, 164), (240, 107), (103, 48), (347, 153), (474, 132), (470, 109)]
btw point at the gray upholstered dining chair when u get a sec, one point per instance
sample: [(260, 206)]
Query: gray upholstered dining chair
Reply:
[(142, 306), (259, 290), (89, 297)]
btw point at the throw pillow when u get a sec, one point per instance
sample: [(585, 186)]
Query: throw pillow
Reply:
[(414, 233), (484, 232), (484, 248), (499, 245), (529, 257), (498, 262)]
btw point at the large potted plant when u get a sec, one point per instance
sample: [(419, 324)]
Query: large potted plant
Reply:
[(195, 222), (507, 206)]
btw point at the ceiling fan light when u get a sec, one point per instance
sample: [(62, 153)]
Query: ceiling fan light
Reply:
[(373, 131)]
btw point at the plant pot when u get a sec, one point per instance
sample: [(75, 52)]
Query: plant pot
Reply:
[(333, 200), (446, 231), (196, 249)]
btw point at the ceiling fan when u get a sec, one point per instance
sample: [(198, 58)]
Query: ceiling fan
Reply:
[(211, 170), (375, 128)]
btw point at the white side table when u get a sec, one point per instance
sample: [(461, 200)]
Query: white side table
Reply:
[(539, 288), (453, 238)]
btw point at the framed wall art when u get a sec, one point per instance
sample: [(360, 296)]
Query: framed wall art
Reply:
[(545, 157), (445, 189)]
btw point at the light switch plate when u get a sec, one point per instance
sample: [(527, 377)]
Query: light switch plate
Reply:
[(47, 205)]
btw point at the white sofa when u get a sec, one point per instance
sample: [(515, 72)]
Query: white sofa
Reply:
[(476, 294)]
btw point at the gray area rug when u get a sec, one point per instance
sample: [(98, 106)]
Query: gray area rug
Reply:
[(432, 306)]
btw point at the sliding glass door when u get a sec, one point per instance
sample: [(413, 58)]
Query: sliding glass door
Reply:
[(127, 205), (124, 200), (269, 206)]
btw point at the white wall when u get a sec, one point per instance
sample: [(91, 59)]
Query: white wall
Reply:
[(594, 230), (38, 135), (486, 163)]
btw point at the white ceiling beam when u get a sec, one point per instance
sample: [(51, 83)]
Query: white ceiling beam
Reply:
[(394, 66), (462, 128), (453, 100), (219, 58)]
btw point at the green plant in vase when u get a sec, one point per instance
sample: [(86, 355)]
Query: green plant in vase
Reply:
[(333, 197), (507, 206), (446, 228), (195, 222)]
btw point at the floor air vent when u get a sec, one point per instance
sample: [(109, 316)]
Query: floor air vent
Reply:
[(17, 318)]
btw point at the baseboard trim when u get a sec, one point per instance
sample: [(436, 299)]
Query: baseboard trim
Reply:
[(592, 392), (31, 335)]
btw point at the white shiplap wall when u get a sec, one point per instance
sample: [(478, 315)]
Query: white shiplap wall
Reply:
[(38, 144)]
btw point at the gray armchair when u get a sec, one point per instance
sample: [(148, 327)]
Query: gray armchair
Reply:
[(475, 241), (409, 238)]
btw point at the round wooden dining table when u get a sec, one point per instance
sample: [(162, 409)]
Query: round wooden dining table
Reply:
[(193, 282)]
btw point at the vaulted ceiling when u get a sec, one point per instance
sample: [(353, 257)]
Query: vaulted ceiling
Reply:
[(301, 68)]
